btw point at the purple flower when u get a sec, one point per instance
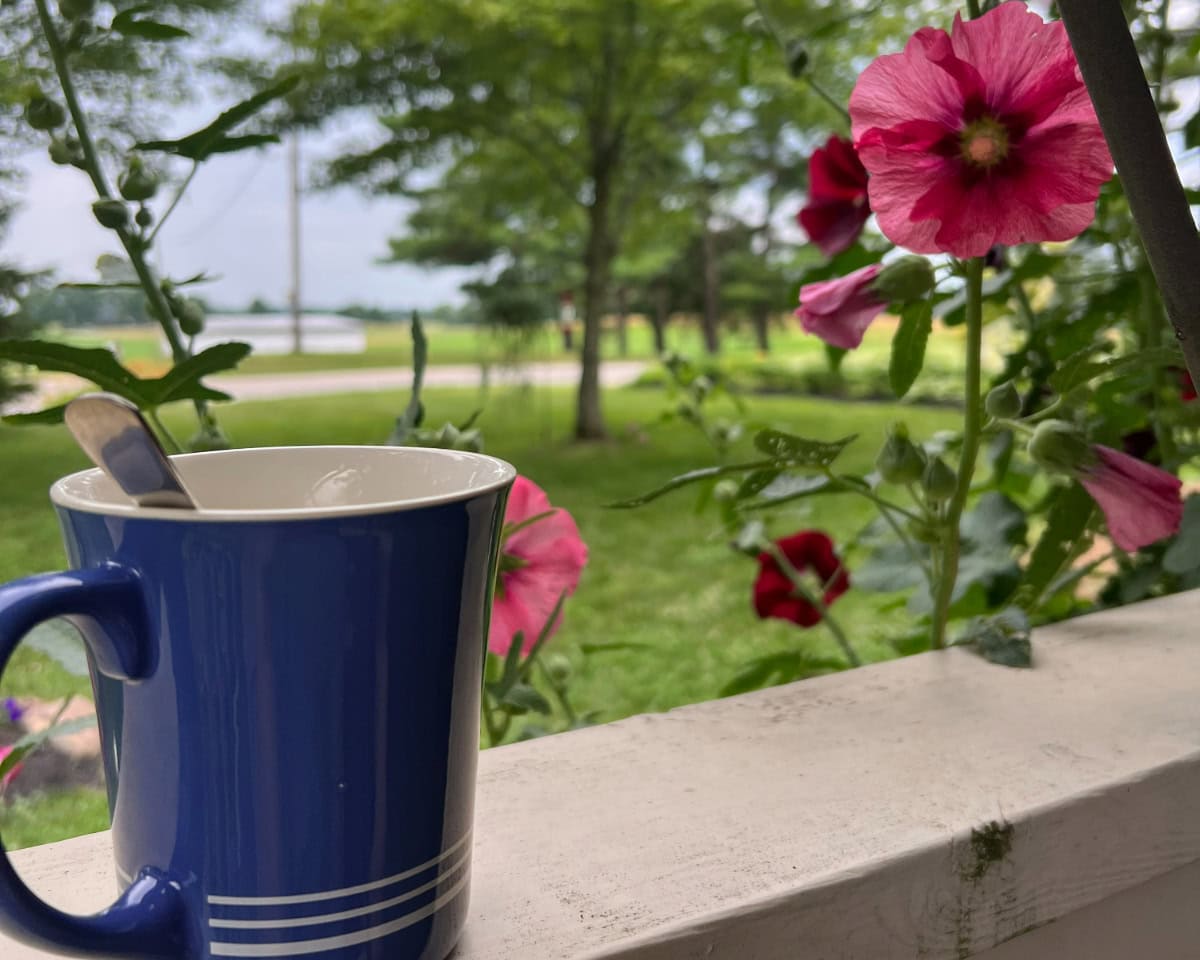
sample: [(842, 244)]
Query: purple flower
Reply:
[(13, 710)]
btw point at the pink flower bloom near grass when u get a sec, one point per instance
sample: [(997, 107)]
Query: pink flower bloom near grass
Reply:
[(840, 310), (981, 136), (1141, 502), (541, 558)]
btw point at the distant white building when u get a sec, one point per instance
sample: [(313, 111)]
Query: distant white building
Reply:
[(271, 333)]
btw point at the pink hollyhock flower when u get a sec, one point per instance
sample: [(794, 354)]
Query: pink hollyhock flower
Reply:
[(541, 558), (775, 594), (12, 774), (840, 310), (1141, 502), (982, 136), (837, 197)]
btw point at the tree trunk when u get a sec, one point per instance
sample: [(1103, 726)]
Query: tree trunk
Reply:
[(662, 300), (761, 316), (622, 321), (598, 257), (712, 292)]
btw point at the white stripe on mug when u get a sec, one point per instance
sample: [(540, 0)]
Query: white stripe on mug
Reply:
[(345, 891), (301, 947), (286, 923)]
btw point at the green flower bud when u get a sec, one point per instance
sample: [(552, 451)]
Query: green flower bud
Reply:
[(136, 184), (558, 666), (1060, 446), (190, 315), (209, 437), (143, 218), (42, 113), (74, 9), (111, 213), (904, 280), (938, 481), (923, 531), (61, 151), (726, 490), (797, 59), (899, 460), (1003, 402)]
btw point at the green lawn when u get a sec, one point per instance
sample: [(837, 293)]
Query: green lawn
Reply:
[(389, 345), (660, 579)]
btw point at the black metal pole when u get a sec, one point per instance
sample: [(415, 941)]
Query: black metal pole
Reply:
[(1113, 73)]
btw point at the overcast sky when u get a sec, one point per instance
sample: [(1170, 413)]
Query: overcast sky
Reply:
[(233, 223)]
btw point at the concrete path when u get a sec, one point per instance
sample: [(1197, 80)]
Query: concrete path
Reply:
[(272, 386)]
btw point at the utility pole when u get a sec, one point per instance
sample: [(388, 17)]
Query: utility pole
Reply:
[(294, 225)]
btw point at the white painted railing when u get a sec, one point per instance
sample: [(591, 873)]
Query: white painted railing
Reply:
[(934, 807)]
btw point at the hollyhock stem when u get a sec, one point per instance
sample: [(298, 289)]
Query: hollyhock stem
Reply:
[(972, 429), (801, 588), (973, 11)]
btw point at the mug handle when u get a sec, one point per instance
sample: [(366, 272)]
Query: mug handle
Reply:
[(108, 607)]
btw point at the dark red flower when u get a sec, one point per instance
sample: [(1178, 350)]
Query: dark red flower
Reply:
[(1187, 389), (775, 595), (837, 204)]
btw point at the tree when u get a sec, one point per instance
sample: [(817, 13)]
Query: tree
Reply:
[(592, 99)]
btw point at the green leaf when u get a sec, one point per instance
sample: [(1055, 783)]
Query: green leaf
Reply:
[(757, 481), (1080, 368), (1068, 516), (32, 741), (908, 345), (1191, 131), (212, 138), (523, 698), (61, 642), (800, 451), (49, 416), (792, 486), (686, 479), (96, 364), (1183, 555), (1002, 638), (146, 29), (181, 382), (615, 646), (778, 668)]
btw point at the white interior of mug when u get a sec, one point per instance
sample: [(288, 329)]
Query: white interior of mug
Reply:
[(281, 483)]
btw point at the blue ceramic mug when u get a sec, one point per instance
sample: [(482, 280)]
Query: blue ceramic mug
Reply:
[(287, 684)]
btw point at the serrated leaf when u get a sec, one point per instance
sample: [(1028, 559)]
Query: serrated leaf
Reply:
[(800, 451), (756, 481), (908, 345), (686, 479), (96, 364), (50, 416), (1183, 555), (1067, 518), (61, 642), (1079, 368), (181, 382), (792, 486), (213, 138), (1002, 638)]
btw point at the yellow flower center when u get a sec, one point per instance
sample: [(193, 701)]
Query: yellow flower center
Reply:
[(984, 143)]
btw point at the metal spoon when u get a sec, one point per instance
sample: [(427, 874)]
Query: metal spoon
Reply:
[(112, 431)]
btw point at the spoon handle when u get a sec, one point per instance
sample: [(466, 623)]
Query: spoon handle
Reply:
[(113, 432)]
